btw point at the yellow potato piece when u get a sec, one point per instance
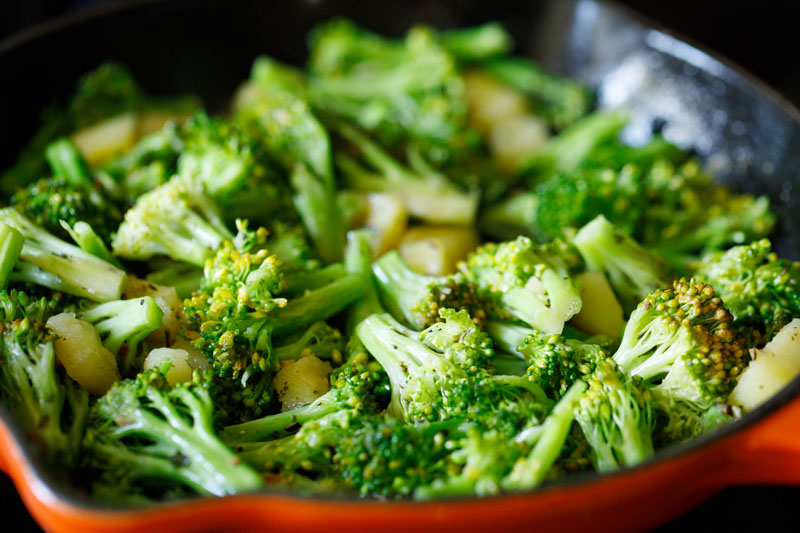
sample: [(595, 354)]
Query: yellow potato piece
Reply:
[(79, 349), (195, 359), (301, 382), (490, 102), (773, 367), (515, 140), (179, 371), (435, 250), (168, 301), (101, 141), (386, 219), (600, 311)]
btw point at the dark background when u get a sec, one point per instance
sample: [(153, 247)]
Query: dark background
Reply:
[(762, 37)]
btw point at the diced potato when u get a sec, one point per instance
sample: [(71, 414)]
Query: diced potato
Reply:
[(515, 140), (169, 302), (154, 120), (179, 371), (101, 141), (490, 102), (386, 219), (600, 312), (81, 352), (195, 358), (772, 368), (301, 382), (435, 250)]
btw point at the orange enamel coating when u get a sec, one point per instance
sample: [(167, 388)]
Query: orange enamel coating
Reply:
[(767, 452)]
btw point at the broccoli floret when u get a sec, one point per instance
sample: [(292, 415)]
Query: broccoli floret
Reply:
[(568, 150), (320, 340), (567, 201), (760, 290), (528, 282), (417, 298), (442, 380), (241, 306), (51, 407), (49, 261), (561, 101), (144, 433), (49, 201), (688, 214), (276, 114), (363, 452), (425, 193), (684, 338), (360, 384), (405, 90), (65, 161), (177, 220), (617, 416), (632, 271), (123, 324), (556, 362)]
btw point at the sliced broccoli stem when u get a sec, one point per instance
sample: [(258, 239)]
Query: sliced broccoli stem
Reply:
[(400, 286), (299, 282), (507, 336), (318, 304), (66, 161), (358, 260), (530, 471), (316, 203), (479, 42), (11, 243), (51, 262), (512, 217), (89, 241), (263, 428)]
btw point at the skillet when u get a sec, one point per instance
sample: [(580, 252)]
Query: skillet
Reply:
[(741, 128)]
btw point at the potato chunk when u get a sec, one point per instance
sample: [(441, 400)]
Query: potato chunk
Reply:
[(179, 371), (386, 219), (772, 368), (79, 349), (600, 312), (435, 250), (167, 300), (301, 382), (101, 141)]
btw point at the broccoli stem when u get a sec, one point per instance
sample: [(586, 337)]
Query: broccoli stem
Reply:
[(530, 471), (512, 217), (299, 282), (65, 160), (400, 286), (358, 261), (507, 336), (318, 304), (11, 243), (183, 277), (49, 261), (89, 241), (316, 203), (262, 428), (479, 42)]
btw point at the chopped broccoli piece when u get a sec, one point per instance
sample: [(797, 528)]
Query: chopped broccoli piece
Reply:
[(760, 290), (122, 325), (426, 193), (477, 43), (143, 432), (632, 271), (528, 282), (11, 243), (320, 340), (49, 261)]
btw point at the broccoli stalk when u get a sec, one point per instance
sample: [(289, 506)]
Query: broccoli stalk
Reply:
[(476, 43), (143, 430), (89, 241), (358, 260), (425, 193), (123, 324), (529, 471), (11, 243), (66, 161), (49, 261), (633, 272)]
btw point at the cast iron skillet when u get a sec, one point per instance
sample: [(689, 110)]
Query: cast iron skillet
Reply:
[(741, 128)]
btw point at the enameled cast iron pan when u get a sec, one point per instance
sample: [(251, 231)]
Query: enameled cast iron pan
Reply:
[(746, 133)]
